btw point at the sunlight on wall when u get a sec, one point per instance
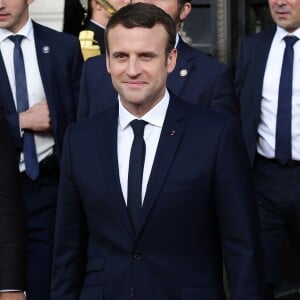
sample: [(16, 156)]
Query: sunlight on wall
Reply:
[(49, 13)]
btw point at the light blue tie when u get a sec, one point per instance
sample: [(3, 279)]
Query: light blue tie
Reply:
[(29, 150)]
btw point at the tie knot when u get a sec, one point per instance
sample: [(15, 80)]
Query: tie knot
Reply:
[(290, 40), (138, 127), (16, 39)]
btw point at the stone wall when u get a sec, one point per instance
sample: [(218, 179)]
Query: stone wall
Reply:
[(48, 12)]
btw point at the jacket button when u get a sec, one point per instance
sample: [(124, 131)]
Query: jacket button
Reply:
[(132, 292), (137, 255)]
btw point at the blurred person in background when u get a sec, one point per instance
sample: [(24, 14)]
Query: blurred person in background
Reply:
[(268, 84), (12, 220), (39, 85)]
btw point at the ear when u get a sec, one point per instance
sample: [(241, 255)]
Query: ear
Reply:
[(107, 61), (97, 5), (171, 61), (185, 11)]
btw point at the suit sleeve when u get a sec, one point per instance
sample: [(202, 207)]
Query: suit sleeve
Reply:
[(69, 253), (13, 121), (238, 217), (241, 70), (76, 75), (83, 106), (12, 216), (223, 98)]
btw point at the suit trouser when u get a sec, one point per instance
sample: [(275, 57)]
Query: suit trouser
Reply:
[(40, 198), (278, 189)]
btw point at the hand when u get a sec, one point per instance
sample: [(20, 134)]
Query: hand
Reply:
[(36, 118), (12, 296)]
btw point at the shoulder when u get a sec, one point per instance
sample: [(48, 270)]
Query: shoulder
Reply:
[(44, 32), (98, 61), (198, 117), (100, 121), (264, 36), (95, 65), (200, 58)]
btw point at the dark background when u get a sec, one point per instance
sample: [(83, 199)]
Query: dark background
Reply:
[(217, 26)]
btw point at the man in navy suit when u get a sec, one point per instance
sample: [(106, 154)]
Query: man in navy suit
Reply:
[(166, 237), (12, 220), (39, 85), (197, 78), (258, 85)]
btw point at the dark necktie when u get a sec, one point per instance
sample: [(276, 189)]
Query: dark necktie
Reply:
[(135, 172), (30, 157), (283, 148)]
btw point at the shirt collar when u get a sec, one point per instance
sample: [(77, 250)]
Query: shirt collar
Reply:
[(281, 33), (155, 116), (26, 30), (177, 40), (96, 23)]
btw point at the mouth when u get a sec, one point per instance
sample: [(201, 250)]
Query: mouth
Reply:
[(282, 14), (3, 16), (135, 84)]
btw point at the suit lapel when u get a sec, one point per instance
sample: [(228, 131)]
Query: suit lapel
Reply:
[(109, 156), (168, 143), (45, 54), (184, 64), (260, 57)]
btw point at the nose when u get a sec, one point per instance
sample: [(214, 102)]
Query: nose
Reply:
[(133, 68), (280, 2)]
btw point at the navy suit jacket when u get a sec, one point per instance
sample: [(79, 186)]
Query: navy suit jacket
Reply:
[(199, 203), (60, 63), (252, 63), (197, 78), (98, 34), (12, 216)]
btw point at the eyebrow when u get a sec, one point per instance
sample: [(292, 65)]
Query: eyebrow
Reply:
[(143, 53)]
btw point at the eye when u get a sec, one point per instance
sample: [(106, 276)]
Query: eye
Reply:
[(120, 56), (147, 56)]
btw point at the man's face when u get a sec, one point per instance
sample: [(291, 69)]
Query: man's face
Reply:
[(117, 4), (286, 13), (13, 14), (139, 66), (172, 8)]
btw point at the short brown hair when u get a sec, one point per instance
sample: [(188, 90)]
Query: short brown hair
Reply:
[(143, 15)]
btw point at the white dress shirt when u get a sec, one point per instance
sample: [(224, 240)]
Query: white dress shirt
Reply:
[(269, 102), (155, 120), (44, 141), (96, 23)]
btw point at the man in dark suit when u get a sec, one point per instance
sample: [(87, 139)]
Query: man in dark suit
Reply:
[(153, 226), (274, 154), (91, 15), (39, 84), (197, 77), (12, 221)]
